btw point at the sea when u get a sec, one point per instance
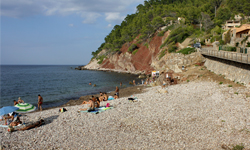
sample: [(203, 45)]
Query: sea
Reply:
[(57, 84)]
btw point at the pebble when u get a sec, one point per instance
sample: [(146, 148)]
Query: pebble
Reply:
[(194, 115)]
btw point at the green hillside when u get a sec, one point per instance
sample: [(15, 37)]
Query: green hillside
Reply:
[(154, 14)]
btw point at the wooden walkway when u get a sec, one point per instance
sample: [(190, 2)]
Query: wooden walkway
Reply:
[(232, 56)]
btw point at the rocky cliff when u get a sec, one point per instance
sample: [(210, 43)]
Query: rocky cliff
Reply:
[(145, 60)]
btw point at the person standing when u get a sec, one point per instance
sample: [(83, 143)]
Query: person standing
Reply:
[(142, 82), (40, 102), (163, 84), (117, 91)]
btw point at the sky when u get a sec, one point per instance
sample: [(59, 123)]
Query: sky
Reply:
[(57, 32)]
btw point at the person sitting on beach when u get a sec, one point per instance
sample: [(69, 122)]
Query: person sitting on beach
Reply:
[(101, 98), (33, 125), (15, 102), (20, 100), (97, 103), (91, 106), (120, 84), (105, 97), (93, 98), (134, 82), (115, 96), (10, 118)]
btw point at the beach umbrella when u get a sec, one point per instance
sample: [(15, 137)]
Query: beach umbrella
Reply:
[(7, 109), (25, 108)]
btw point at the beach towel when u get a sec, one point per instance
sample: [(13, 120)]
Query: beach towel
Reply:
[(97, 110), (5, 126)]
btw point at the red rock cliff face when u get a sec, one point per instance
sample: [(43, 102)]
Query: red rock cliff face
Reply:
[(140, 62)]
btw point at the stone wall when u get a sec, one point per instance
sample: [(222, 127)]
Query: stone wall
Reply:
[(234, 71)]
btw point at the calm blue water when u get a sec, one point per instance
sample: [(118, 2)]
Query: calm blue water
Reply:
[(55, 83)]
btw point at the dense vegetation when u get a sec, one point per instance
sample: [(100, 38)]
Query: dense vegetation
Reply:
[(157, 13)]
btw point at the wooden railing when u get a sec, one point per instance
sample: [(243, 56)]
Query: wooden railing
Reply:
[(233, 56)]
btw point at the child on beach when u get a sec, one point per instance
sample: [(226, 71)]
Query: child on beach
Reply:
[(115, 96)]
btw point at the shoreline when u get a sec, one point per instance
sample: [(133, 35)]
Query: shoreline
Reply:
[(123, 92)]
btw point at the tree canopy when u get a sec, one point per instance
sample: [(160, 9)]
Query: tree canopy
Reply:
[(154, 14)]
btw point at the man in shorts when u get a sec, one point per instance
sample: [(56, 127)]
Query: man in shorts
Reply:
[(40, 102)]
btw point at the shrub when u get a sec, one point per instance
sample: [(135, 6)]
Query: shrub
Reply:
[(202, 43), (162, 54), (230, 85), (101, 58), (134, 52), (139, 42), (228, 48), (132, 47), (237, 44), (221, 83), (179, 34), (161, 33), (187, 51), (172, 48), (248, 44), (146, 44), (238, 147), (221, 42)]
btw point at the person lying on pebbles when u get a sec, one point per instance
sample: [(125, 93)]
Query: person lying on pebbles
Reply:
[(33, 125)]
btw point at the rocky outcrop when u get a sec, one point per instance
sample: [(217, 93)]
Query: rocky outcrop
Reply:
[(146, 59), (138, 63)]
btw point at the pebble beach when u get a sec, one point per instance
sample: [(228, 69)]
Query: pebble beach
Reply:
[(194, 115)]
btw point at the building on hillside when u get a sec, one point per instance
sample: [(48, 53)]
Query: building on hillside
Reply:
[(240, 37), (236, 22), (231, 24), (239, 34)]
